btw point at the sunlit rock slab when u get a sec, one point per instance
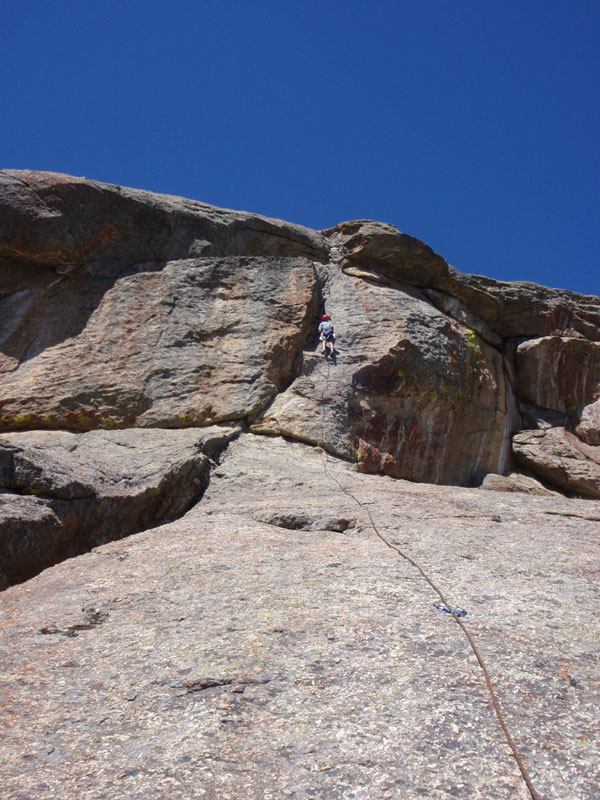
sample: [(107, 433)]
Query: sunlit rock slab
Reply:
[(220, 656)]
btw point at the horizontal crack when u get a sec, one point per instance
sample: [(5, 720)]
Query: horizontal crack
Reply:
[(92, 618)]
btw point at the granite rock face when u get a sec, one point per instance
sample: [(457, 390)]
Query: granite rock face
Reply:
[(223, 656), (519, 309), (256, 638), (559, 373), (65, 493), (197, 342), (53, 225), (122, 310), (409, 390)]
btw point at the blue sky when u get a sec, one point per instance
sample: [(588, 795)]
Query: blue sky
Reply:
[(474, 126)]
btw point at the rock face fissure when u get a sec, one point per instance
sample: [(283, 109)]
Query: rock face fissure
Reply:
[(65, 493), (408, 384), (123, 310)]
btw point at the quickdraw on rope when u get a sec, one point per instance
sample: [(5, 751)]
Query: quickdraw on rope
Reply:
[(456, 612)]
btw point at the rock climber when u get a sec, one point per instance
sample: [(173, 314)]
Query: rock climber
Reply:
[(326, 335)]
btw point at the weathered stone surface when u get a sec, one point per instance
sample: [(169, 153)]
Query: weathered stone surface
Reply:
[(455, 309), (375, 245), (141, 331), (522, 308), (222, 657), (123, 308), (57, 224), (515, 482), (559, 373), (410, 389), (199, 341), (509, 309), (94, 487), (298, 519), (267, 644), (561, 458), (589, 425)]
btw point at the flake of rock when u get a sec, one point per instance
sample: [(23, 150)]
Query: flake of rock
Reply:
[(516, 482), (298, 519), (94, 487), (561, 458), (559, 373)]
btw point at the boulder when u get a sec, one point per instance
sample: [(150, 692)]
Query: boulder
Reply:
[(559, 373), (64, 493), (588, 429), (516, 482), (557, 456)]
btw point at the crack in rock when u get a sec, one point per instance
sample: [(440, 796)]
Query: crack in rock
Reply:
[(300, 520), (92, 618)]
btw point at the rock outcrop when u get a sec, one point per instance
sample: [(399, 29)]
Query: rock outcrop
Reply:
[(198, 342), (66, 492), (53, 225), (519, 309), (410, 390), (122, 310), (256, 638), (561, 458)]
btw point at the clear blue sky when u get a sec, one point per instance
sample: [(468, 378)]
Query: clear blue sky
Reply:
[(473, 125)]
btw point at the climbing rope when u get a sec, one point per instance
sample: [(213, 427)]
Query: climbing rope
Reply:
[(454, 611)]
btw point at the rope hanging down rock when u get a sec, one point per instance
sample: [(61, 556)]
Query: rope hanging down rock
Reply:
[(454, 611)]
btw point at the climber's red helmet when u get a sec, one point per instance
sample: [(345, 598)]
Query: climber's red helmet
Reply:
[(325, 317)]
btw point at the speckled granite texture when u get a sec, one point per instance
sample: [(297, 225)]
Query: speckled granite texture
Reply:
[(225, 657)]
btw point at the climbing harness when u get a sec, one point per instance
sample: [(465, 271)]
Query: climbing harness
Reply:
[(456, 612)]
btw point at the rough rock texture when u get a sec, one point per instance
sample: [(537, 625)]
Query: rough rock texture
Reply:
[(53, 224), (64, 493), (123, 308), (559, 373), (589, 425), (266, 644), (561, 458), (517, 482), (509, 309), (193, 343), (409, 389), (222, 657)]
